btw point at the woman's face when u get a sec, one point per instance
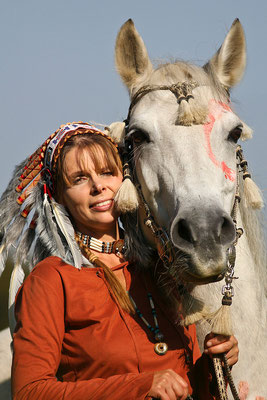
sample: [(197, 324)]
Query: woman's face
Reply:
[(90, 196)]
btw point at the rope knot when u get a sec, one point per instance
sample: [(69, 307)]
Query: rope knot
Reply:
[(183, 90)]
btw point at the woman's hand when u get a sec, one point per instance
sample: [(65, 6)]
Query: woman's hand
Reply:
[(167, 385), (217, 344)]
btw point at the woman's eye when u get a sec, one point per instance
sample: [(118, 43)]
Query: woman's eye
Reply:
[(139, 137), (108, 173), (79, 180), (235, 134)]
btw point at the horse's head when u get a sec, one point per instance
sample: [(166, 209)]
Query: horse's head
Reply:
[(184, 136)]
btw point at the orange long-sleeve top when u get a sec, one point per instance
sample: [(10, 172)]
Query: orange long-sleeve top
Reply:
[(73, 341)]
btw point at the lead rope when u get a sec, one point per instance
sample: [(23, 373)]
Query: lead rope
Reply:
[(228, 293)]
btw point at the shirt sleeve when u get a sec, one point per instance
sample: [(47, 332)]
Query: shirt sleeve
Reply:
[(37, 345)]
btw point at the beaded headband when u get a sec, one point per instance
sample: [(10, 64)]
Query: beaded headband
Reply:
[(45, 158)]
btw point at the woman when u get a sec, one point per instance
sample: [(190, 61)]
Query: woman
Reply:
[(87, 320)]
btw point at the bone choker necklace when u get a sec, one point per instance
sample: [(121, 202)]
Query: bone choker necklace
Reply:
[(117, 247)]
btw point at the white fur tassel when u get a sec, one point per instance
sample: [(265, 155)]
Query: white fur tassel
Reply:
[(247, 132), (126, 199), (252, 194), (116, 131), (220, 321), (185, 116), (193, 309)]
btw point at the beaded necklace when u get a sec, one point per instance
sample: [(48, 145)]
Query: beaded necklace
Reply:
[(160, 347), (117, 247)]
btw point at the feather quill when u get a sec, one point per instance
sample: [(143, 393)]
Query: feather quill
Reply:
[(47, 230), (3, 257), (66, 227)]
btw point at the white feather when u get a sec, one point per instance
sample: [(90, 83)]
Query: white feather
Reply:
[(52, 225), (67, 230), (3, 257), (16, 280)]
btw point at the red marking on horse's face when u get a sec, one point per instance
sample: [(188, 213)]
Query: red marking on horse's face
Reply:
[(216, 112)]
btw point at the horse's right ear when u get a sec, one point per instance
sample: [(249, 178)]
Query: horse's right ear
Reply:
[(230, 60), (132, 61)]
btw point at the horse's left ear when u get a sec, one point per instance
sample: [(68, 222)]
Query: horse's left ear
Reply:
[(131, 57), (230, 60)]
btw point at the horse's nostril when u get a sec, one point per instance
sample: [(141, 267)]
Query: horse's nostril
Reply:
[(227, 231), (184, 231)]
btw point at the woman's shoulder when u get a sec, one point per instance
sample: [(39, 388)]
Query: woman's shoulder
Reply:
[(49, 268), (43, 281)]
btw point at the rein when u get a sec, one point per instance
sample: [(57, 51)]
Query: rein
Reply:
[(183, 91)]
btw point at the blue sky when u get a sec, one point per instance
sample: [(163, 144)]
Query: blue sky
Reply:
[(57, 64)]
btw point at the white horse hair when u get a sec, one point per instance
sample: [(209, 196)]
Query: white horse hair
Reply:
[(184, 158)]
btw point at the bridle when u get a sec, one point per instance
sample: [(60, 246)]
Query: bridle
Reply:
[(183, 92)]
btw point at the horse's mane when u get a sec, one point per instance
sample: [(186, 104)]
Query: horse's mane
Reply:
[(253, 225)]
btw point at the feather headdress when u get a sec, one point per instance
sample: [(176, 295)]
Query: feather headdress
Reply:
[(31, 221)]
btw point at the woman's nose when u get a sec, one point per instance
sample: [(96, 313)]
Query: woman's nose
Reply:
[(97, 186)]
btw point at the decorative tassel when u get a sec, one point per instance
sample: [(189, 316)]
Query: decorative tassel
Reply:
[(252, 193), (220, 321), (247, 132), (116, 131), (185, 116), (126, 199), (194, 309)]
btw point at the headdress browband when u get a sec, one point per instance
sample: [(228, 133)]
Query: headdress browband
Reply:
[(45, 158)]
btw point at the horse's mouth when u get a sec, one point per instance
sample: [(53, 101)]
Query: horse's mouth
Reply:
[(197, 280)]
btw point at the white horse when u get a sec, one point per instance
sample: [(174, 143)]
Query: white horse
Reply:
[(184, 136)]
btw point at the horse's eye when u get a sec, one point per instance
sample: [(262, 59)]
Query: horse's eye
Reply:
[(235, 134), (139, 137)]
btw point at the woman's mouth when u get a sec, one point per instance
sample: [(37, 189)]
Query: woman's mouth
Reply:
[(102, 205)]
